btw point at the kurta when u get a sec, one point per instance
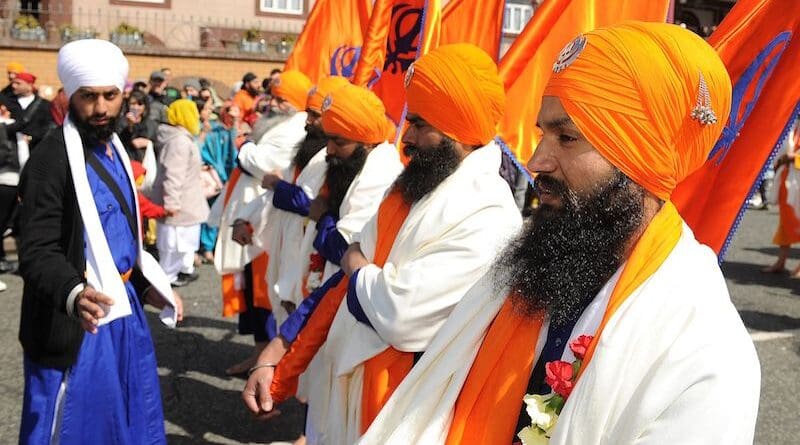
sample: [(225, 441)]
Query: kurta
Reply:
[(674, 364), (446, 243), (111, 394)]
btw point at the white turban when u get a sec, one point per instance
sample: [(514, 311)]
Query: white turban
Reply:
[(91, 63)]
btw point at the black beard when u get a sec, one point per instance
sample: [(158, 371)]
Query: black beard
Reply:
[(341, 173), (314, 142), (93, 134), (563, 257), (427, 168)]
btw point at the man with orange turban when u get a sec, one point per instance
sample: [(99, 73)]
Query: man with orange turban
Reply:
[(12, 69), (243, 265), (605, 321), (434, 234)]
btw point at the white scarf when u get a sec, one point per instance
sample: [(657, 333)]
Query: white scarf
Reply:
[(101, 272)]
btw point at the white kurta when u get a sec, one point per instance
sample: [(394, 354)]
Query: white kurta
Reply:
[(675, 364), (446, 243), (274, 152)]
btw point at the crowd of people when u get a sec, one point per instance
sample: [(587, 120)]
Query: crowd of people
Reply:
[(390, 282)]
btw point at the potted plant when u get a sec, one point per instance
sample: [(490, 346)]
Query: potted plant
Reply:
[(72, 32), (252, 41), (128, 35), (27, 27), (284, 46)]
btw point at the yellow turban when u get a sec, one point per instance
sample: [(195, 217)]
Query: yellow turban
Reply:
[(635, 90), (457, 90), (293, 87), (357, 114), (325, 87), (15, 67), (183, 113)]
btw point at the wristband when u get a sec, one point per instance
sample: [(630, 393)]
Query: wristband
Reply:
[(264, 365)]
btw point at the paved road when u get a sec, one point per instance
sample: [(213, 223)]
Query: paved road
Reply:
[(203, 406)]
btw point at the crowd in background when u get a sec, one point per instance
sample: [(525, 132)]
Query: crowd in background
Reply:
[(182, 142)]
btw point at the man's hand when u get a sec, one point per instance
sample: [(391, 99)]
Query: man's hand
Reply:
[(317, 208), (270, 180), (154, 298), (88, 308), (353, 259), (288, 306), (242, 232), (140, 143), (256, 394)]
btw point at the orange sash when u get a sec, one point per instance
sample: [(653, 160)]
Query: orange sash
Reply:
[(487, 407), (391, 216)]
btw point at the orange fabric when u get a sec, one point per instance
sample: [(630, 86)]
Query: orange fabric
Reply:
[(711, 199), (527, 65), (321, 90), (486, 410), (788, 231), (232, 299), (260, 290), (391, 27), (15, 67), (457, 90), (331, 39), (479, 22), (391, 215), (487, 407), (382, 375), (292, 86), (245, 102), (357, 114), (631, 92)]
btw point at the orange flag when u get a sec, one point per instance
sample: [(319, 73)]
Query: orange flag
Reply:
[(527, 65), (758, 42), (399, 32), (331, 40), (479, 22)]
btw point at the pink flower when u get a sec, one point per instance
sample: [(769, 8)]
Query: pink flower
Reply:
[(580, 345), (558, 374)]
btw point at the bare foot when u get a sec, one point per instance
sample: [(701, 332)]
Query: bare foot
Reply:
[(775, 268)]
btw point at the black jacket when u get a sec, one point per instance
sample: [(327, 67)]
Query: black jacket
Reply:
[(35, 125), (52, 256)]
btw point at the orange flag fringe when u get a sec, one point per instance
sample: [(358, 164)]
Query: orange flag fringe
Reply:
[(758, 42), (527, 65), (479, 22), (331, 41), (399, 32)]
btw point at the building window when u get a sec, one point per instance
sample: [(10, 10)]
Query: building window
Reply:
[(516, 17), (294, 7)]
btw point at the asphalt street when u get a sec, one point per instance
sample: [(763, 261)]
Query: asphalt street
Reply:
[(203, 406)]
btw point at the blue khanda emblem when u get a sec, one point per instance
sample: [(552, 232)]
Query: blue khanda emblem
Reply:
[(747, 91), (344, 60), (402, 44)]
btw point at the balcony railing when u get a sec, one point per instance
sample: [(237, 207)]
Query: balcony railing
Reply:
[(270, 38)]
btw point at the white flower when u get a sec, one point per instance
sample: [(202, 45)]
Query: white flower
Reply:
[(314, 281), (542, 416), (533, 436)]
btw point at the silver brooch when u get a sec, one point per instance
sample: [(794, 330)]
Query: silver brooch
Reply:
[(326, 104), (312, 91), (702, 110), (570, 53), (409, 75)]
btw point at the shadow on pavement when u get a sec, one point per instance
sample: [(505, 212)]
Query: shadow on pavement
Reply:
[(773, 252), (200, 399), (749, 273), (763, 321)]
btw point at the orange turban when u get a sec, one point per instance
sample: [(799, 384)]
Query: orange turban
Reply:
[(457, 90), (15, 67), (633, 89), (293, 87), (320, 91), (357, 114)]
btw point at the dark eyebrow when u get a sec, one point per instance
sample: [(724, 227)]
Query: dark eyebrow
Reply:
[(556, 124)]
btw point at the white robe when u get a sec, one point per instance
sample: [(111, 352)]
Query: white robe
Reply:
[(675, 365), (274, 152), (446, 243)]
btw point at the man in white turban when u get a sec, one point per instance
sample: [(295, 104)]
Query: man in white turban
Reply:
[(90, 365)]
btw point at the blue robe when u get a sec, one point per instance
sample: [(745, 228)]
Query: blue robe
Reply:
[(112, 391)]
